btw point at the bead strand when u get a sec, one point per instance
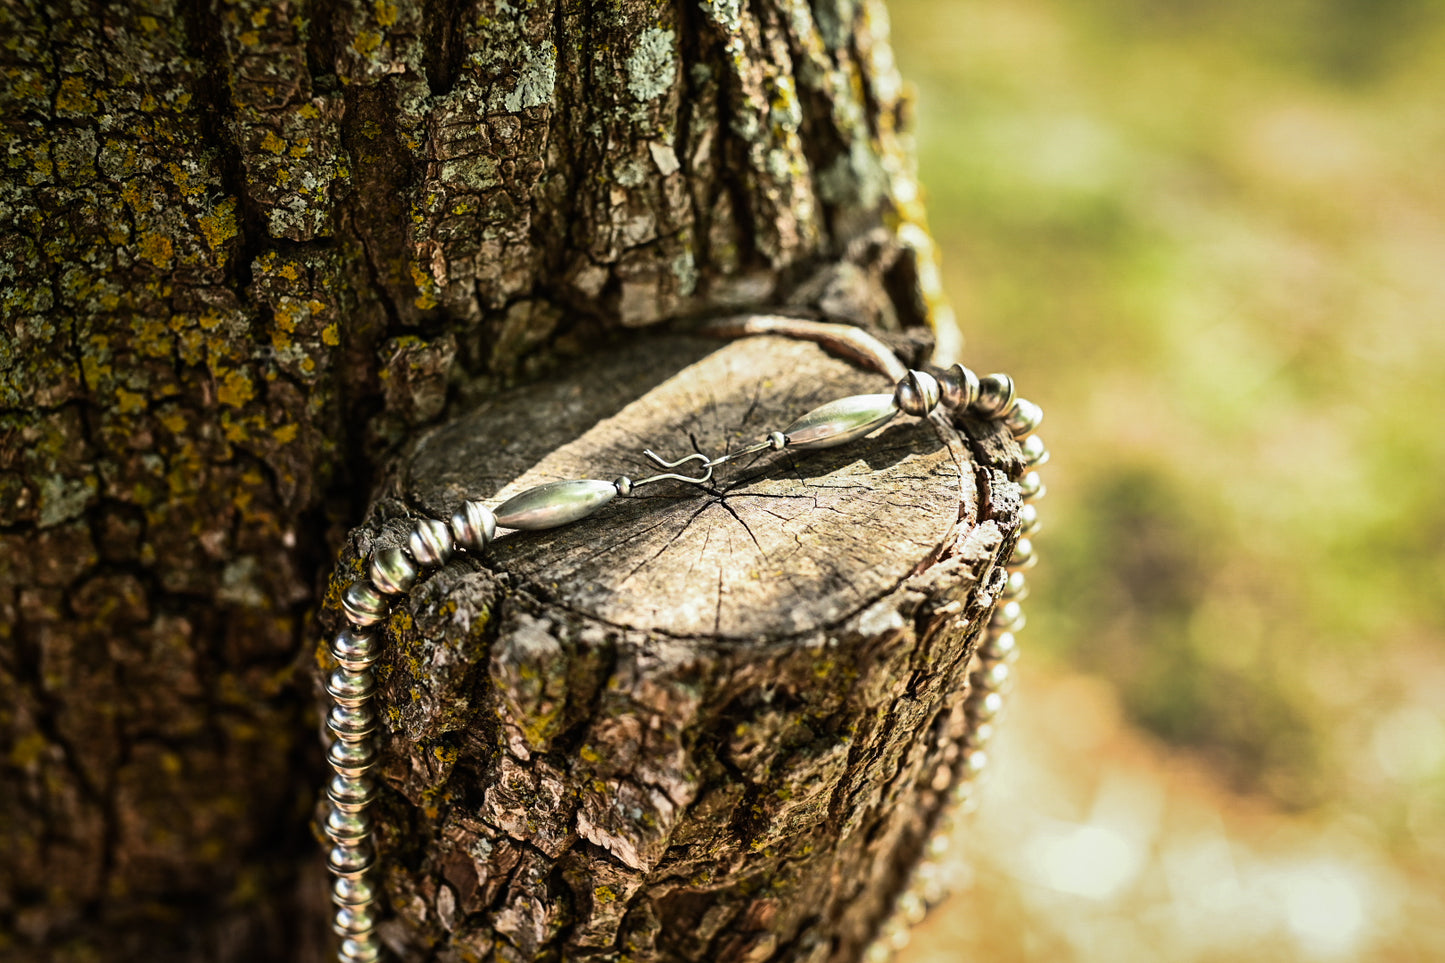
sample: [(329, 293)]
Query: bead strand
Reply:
[(991, 670), (391, 572)]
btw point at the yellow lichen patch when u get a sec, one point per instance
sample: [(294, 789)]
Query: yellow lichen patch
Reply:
[(302, 147), (366, 43), (272, 143), (287, 433), (219, 226), (129, 402), (73, 97), (250, 38), (425, 286), (385, 12), (174, 421), (235, 389), (331, 334), (157, 249)]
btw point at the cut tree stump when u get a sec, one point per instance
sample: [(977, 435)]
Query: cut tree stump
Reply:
[(707, 723)]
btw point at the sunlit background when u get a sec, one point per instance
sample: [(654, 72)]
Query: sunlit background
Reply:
[(1209, 237)]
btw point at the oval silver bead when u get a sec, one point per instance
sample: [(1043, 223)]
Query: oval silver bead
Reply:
[(1016, 588), (353, 891), (917, 394), (430, 542), (363, 604), (993, 677), (995, 396), (350, 688), (979, 736), (346, 826), (1031, 486), (1023, 557), (474, 526), (984, 706), (354, 649), (360, 949), (841, 421), (351, 758), (555, 503), (350, 860), (1024, 419), (1008, 617), (958, 387), (1003, 647), (1029, 519), (354, 920), (351, 793), (1035, 454), (351, 723), (391, 571)]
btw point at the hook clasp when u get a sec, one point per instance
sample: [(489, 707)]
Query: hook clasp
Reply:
[(704, 462)]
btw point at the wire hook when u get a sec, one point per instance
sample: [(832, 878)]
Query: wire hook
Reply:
[(660, 462)]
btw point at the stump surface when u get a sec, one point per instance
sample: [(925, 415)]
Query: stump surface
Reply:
[(776, 545)]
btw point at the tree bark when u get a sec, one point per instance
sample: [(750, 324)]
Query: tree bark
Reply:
[(248, 249)]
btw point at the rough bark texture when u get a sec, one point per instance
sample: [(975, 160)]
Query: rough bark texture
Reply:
[(247, 248), (703, 724)]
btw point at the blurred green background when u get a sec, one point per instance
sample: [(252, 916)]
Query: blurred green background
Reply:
[(1209, 238)]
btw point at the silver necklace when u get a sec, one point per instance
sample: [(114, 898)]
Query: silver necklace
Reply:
[(391, 573)]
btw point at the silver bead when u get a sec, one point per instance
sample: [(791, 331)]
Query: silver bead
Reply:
[(350, 688), (1023, 557), (777, 440), (555, 503), (993, 677), (354, 921), (958, 387), (350, 860), (974, 762), (351, 793), (995, 396), (1024, 419), (985, 706), (347, 827), (623, 484), (351, 723), (355, 649), (1008, 617), (360, 949), (353, 891), (1031, 487), (391, 571), (1034, 451), (1003, 647), (363, 604), (474, 526), (1016, 589), (917, 394), (839, 422), (1029, 519), (963, 792), (912, 909), (351, 758), (430, 542), (979, 736)]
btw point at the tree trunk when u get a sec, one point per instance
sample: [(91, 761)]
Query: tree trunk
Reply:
[(248, 250)]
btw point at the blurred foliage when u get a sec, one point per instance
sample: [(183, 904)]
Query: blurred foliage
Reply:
[(1210, 239)]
